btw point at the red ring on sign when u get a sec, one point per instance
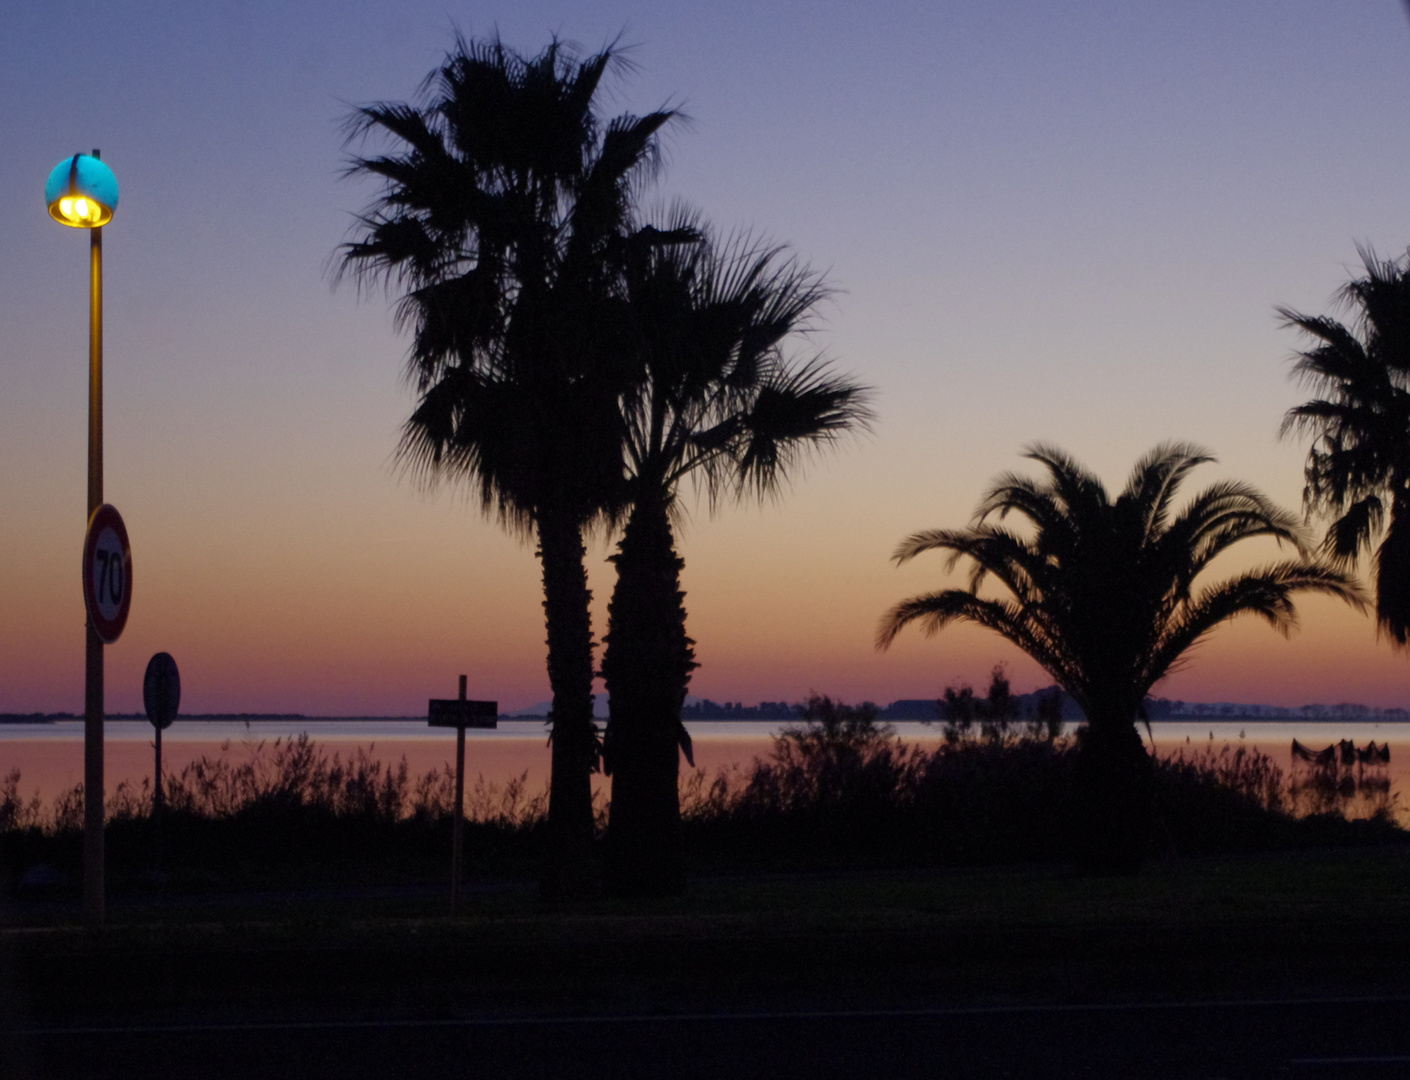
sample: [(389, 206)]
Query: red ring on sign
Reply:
[(108, 629)]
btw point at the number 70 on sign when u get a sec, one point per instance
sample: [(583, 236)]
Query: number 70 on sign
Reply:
[(107, 573)]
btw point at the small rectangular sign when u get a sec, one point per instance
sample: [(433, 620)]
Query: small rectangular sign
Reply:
[(456, 713)]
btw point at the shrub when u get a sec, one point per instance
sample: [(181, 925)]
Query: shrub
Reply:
[(995, 801), (843, 790), (835, 787), (285, 808), (15, 813)]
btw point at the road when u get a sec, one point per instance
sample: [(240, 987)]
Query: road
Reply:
[(1342, 1037)]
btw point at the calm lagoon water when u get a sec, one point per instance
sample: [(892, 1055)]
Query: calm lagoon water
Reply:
[(50, 756)]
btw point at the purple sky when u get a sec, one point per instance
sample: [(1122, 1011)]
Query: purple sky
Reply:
[(1058, 221)]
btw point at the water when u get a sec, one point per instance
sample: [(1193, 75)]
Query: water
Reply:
[(50, 756)]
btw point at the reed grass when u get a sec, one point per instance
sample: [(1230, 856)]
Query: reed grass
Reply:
[(290, 773), (842, 789), (839, 789)]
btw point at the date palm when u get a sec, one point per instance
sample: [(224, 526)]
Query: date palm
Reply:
[(1358, 469), (715, 400), (1108, 596), (506, 202)]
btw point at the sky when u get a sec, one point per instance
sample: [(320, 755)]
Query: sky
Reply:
[(1058, 221)]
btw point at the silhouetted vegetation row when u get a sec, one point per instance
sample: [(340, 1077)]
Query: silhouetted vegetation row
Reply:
[(838, 789)]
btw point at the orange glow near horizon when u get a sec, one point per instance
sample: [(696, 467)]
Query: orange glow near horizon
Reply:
[(337, 618)]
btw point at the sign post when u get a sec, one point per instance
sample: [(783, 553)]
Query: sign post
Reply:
[(460, 714), (107, 573), (161, 697), (107, 595), (82, 193)]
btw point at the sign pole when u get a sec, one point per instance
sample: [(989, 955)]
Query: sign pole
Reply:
[(157, 802), (93, 790), (157, 791), (460, 714), (458, 830), (161, 696), (82, 192)]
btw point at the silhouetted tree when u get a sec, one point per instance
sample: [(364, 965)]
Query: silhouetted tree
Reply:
[(996, 712), (505, 208), (958, 708), (1102, 593), (1047, 717), (999, 709), (1358, 469), (714, 399)]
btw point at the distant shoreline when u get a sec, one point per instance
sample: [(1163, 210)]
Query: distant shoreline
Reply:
[(265, 718)]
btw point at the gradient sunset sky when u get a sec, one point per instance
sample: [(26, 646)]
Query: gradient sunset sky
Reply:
[(1059, 221)]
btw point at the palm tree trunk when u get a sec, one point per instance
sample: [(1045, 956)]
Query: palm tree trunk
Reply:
[(569, 871), (1393, 573), (1113, 796), (647, 664)]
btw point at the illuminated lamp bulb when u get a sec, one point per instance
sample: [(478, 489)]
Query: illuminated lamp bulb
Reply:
[(82, 192)]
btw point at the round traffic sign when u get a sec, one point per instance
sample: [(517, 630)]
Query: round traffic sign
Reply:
[(161, 690), (107, 573)]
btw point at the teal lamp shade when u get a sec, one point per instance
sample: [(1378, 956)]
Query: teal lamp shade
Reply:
[(81, 192)]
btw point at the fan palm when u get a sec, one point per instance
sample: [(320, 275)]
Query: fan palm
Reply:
[(506, 202), (716, 400), (1358, 469), (1103, 593)]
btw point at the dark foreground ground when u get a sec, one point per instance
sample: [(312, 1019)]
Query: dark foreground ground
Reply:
[(1288, 965)]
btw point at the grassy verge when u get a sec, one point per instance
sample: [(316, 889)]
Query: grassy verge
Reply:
[(1327, 922)]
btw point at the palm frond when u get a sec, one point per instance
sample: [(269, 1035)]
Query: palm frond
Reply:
[(1358, 466), (715, 399), (794, 412), (1266, 593), (1354, 531), (1100, 591), (1156, 477), (934, 611)]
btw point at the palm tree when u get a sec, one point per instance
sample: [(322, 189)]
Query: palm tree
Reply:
[(1358, 469), (506, 204), (1103, 594), (714, 399)]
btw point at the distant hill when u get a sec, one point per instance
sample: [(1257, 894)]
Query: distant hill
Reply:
[(903, 709), (1165, 709), (928, 709), (1162, 709), (540, 710)]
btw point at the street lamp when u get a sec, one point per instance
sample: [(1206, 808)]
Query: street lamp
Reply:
[(83, 192)]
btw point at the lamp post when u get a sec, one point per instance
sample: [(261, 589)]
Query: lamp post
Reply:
[(82, 192)]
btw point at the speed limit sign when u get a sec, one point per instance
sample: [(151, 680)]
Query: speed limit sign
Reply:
[(107, 573)]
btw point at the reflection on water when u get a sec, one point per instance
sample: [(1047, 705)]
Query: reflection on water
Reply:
[(50, 756)]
